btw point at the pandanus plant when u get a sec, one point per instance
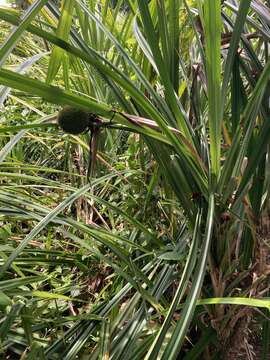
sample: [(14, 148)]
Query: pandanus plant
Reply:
[(192, 78)]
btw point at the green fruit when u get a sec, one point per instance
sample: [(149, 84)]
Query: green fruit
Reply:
[(73, 121)]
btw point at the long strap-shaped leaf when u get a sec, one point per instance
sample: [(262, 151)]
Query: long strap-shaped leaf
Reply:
[(250, 115), (17, 31), (139, 73), (237, 32), (174, 346), (62, 32), (164, 75), (159, 340), (212, 28)]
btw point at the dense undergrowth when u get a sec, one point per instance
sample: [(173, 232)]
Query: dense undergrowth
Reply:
[(164, 252)]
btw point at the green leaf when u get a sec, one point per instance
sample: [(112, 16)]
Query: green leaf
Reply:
[(234, 43), (171, 255), (165, 331), (4, 300), (15, 283), (260, 303), (48, 295), (212, 24), (174, 345), (9, 320), (62, 32), (104, 352)]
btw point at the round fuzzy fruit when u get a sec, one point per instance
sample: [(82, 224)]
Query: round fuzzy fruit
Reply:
[(72, 120)]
